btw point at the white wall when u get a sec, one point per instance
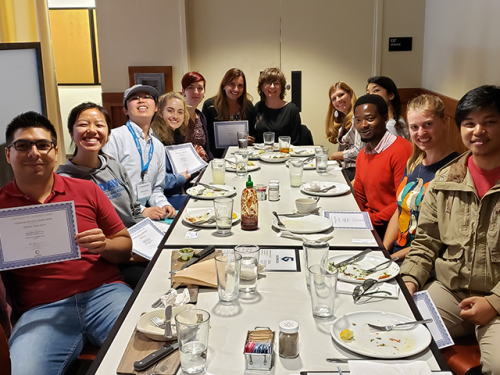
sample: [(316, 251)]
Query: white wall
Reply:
[(461, 45)]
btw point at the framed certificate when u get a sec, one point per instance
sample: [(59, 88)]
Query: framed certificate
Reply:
[(184, 158), (39, 234), (226, 132)]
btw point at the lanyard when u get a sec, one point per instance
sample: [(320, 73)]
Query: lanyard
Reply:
[(144, 168)]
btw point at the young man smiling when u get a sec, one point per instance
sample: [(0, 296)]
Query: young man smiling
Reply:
[(142, 154), (381, 164), (458, 230), (68, 303)]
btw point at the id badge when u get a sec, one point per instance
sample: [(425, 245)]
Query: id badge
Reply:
[(143, 190)]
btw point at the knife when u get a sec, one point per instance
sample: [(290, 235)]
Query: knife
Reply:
[(214, 188), (197, 257), (155, 357), (353, 259), (168, 324)]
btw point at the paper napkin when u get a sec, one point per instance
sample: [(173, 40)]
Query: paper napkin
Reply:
[(202, 273)]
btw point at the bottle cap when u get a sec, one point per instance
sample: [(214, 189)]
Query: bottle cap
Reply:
[(249, 182), (289, 326)]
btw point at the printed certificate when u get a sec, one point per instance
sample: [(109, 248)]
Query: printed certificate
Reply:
[(349, 220), (146, 238), (39, 234), (226, 132), (184, 158)]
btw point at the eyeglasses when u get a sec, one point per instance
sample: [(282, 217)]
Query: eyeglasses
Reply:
[(361, 290), (139, 97), (43, 145)]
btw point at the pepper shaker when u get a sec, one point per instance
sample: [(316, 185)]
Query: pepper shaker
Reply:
[(274, 190), (289, 339)]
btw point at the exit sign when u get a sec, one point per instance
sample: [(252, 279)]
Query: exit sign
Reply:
[(400, 44)]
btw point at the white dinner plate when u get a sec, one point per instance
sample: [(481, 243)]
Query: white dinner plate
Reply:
[(192, 216), (312, 164), (254, 154), (339, 188), (399, 343), (353, 273), (199, 192), (301, 151), (252, 166), (274, 157), (304, 224), (260, 146)]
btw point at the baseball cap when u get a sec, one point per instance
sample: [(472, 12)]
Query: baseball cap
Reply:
[(139, 88)]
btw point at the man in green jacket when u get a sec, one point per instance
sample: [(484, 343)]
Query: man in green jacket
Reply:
[(459, 230)]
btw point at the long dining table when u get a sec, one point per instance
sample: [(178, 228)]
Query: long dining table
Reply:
[(279, 296)]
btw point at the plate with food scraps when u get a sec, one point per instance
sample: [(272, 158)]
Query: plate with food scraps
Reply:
[(200, 192), (195, 215), (304, 224), (252, 166), (274, 157), (312, 164), (254, 154), (351, 331), (356, 272), (260, 146), (301, 151), (315, 187)]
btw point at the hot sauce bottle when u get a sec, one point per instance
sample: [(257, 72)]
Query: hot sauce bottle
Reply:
[(249, 207)]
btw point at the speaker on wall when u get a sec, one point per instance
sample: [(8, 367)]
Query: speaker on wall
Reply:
[(297, 89)]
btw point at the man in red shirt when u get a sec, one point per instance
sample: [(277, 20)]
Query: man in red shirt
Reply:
[(381, 164), (64, 304)]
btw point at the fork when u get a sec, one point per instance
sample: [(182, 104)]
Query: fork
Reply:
[(390, 327), (377, 267), (210, 220), (324, 190), (280, 224), (157, 322)]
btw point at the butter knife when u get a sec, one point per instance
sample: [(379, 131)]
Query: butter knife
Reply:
[(168, 324), (354, 258), (155, 357), (197, 257), (214, 188)]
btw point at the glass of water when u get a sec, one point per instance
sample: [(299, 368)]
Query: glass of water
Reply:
[(228, 267), (223, 209), (242, 139), (323, 290), (241, 164), (321, 159), (249, 267), (192, 335), (268, 141), (296, 169)]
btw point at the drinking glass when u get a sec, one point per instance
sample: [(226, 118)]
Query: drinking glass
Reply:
[(241, 164), (228, 267), (223, 208), (284, 143), (321, 159), (219, 171), (249, 265), (315, 252), (192, 335), (323, 290), (269, 141), (296, 169), (242, 139)]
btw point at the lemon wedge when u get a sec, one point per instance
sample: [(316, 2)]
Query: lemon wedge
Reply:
[(346, 335)]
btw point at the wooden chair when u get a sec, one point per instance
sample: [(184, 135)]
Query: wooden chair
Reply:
[(463, 357)]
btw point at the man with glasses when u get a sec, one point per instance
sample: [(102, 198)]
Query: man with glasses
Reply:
[(142, 154), (63, 304)]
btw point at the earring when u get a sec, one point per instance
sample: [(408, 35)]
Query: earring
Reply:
[(336, 114)]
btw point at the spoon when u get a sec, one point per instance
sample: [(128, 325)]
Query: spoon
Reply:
[(278, 220)]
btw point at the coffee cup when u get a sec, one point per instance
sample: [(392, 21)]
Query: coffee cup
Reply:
[(306, 205)]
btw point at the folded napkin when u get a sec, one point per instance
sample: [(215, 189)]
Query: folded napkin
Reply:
[(202, 273), (377, 368), (389, 286)]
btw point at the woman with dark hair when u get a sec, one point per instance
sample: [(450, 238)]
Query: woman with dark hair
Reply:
[(193, 89), (232, 103), (386, 88), (274, 114)]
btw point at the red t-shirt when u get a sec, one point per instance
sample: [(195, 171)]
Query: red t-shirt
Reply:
[(53, 282), (483, 179)]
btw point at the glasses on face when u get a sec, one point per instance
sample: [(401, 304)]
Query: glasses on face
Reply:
[(139, 97), (43, 145)]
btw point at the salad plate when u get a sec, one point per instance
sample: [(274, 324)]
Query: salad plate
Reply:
[(274, 157), (304, 224), (355, 272), (315, 187), (200, 192), (195, 215)]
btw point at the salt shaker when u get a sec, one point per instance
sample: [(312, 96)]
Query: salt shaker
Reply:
[(289, 339), (274, 190)]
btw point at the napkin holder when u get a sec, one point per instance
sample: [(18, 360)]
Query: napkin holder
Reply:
[(259, 361)]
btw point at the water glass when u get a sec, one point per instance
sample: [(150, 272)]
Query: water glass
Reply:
[(192, 335), (269, 141), (223, 209), (242, 139), (315, 253), (228, 267), (249, 267), (323, 290), (241, 164), (321, 159), (284, 144), (296, 169), (218, 171)]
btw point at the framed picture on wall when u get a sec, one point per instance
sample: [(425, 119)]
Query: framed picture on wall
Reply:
[(160, 77), (156, 80)]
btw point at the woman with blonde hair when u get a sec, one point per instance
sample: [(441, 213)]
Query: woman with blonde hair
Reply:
[(274, 114), (431, 151), (170, 126), (339, 126), (232, 103)]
